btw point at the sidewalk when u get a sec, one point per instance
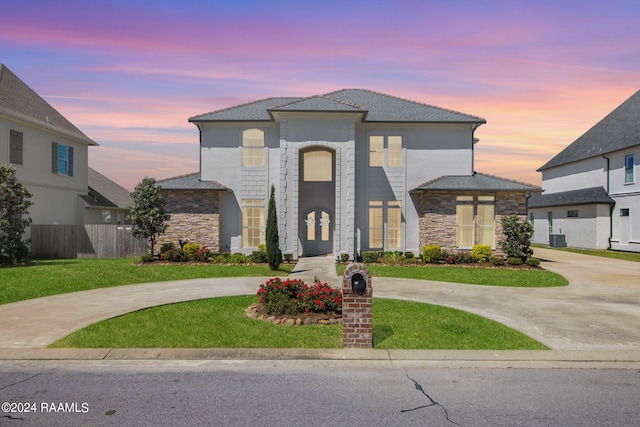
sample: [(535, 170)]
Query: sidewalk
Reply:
[(596, 317)]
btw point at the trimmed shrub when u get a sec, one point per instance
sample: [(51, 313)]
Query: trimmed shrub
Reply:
[(533, 262), (220, 258), (370, 257), (202, 255), (167, 247), (288, 257), (174, 255), (514, 261), (496, 260), (431, 253), (238, 258), (344, 258), (409, 255), (481, 252), (259, 256), (190, 249), (144, 258)]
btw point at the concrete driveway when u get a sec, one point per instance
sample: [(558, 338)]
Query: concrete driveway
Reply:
[(599, 310)]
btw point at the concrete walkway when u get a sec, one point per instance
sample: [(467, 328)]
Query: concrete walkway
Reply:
[(599, 311)]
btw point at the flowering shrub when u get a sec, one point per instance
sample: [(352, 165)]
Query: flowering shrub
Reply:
[(294, 296), (174, 255), (459, 258), (203, 254)]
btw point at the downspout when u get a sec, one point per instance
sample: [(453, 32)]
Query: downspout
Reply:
[(611, 208)]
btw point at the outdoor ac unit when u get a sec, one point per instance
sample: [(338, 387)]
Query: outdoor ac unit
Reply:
[(557, 241)]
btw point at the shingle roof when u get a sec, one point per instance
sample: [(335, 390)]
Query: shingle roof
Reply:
[(190, 182), (585, 196), (620, 129), (252, 111), (105, 192), (476, 182), (376, 107), (20, 101)]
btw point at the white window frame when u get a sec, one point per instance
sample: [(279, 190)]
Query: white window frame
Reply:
[(629, 172), (253, 147)]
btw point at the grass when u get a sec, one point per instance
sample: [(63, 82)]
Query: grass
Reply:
[(625, 256), (49, 277), (522, 278), (221, 323)]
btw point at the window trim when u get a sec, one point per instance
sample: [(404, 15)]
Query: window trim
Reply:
[(476, 201), (252, 204), (383, 154), (16, 147), (629, 171), (384, 209), (55, 150), (256, 151)]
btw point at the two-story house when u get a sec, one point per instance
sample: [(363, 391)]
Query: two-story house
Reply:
[(591, 191), (354, 170), (49, 153)]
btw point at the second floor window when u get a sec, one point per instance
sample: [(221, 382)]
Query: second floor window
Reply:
[(15, 150), (389, 147), (61, 159), (253, 147), (628, 169)]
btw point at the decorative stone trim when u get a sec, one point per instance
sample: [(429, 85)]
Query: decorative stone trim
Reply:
[(256, 311)]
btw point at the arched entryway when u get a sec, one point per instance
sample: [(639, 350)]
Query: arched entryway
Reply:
[(316, 200)]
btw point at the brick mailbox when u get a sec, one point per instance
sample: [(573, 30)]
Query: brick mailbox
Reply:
[(357, 327)]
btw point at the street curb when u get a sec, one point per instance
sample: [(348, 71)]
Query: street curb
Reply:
[(588, 359)]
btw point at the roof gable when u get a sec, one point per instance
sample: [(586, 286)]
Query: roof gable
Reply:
[(108, 190), (378, 107), (21, 102), (619, 130)]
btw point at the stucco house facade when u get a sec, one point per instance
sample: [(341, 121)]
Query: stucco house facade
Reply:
[(354, 170), (591, 191), (49, 153)]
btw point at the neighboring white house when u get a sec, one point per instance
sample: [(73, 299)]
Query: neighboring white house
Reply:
[(591, 193), (48, 152), (354, 170)]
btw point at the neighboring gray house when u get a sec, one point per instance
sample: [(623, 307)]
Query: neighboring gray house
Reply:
[(107, 201), (592, 193), (354, 170), (49, 153)]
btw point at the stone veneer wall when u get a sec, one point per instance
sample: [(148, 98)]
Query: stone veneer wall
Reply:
[(437, 222), (195, 215)]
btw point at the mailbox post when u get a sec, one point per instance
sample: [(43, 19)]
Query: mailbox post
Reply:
[(357, 326)]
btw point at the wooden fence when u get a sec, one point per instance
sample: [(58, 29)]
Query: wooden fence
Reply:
[(85, 241)]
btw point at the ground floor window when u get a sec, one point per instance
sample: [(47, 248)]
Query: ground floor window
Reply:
[(475, 221), (381, 213), (252, 223)]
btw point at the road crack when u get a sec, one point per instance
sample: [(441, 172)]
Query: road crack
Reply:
[(431, 402)]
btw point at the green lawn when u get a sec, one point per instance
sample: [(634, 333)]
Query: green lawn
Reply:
[(625, 256), (523, 278), (49, 277), (221, 323)]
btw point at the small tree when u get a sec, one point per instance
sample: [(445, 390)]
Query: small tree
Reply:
[(274, 255), (518, 237), (14, 202), (148, 217)]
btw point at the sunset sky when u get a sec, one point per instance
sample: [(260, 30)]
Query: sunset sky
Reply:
[(130, 73)]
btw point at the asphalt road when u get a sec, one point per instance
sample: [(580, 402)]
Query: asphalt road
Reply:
[(311, 393)]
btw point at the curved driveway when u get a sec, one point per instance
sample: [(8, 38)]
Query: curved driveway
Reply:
[(599, 310)]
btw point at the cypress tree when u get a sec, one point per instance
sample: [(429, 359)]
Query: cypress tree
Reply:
[(274, 256)]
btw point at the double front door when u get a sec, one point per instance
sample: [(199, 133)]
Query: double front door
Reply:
[(318, 237)]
